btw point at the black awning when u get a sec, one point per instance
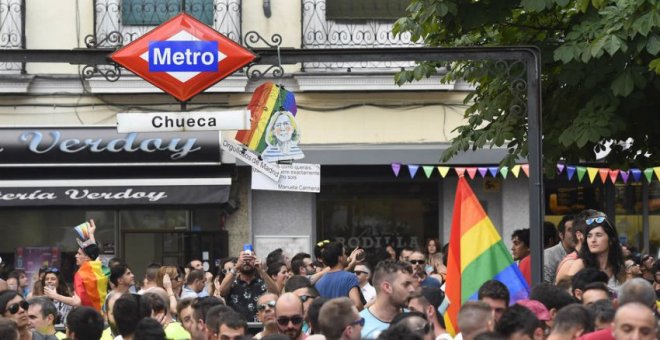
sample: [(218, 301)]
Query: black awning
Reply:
[(113, 187)]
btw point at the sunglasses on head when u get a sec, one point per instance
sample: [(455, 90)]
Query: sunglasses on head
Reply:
[(592, 220), (284, 320), (424, 329), (417, 261), (13, 308), (262, 306)]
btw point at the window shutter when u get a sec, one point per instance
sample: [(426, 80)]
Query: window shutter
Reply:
[(155, 12), (340, 10)]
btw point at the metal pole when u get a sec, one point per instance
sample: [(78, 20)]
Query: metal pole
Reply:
[(535, 158)]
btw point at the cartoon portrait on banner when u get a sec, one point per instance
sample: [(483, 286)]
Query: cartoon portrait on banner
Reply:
[(282, 137), (274, 132)]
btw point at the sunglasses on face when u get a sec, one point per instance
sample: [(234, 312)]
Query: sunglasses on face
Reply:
[(13, 308), (304, 298), (359, 272), (359, 321), (295, 320), (417, 261), (262, 307)]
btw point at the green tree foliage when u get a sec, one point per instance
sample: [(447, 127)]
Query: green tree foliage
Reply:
[(600, 74)]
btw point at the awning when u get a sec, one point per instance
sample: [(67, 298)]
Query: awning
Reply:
[(111, 187)]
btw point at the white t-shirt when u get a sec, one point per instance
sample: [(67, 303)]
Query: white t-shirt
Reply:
[(369, 292)]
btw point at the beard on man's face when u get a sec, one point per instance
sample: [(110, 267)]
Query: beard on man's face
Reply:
[(247, 268), (292, 332)]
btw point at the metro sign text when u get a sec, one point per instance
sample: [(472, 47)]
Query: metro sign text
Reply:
[(183, 56)]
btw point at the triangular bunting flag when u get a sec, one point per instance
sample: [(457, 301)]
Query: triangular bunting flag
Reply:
[(525, 168), (460, 172), (637, 174), (570, 171), (396, 167), (493, 171), (592, 173), (613, 175), (624, 176), (412, 168), (515, 170), (443, 170), (581, 171), (476, 254), (483, 171), (472, 171), (648, 173), (657, 172), (560, 168), (428, 170), (504, 171), (603, 172)]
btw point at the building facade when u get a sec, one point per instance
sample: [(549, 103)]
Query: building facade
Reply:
[(354, 121)]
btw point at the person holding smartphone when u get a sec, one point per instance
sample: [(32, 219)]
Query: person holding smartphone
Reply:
[(244, 283)]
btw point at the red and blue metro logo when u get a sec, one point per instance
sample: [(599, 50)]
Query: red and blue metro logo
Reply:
[(183, 57)]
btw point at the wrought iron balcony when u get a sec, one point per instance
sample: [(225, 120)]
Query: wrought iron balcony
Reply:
[(119, 22), (12, 31), (318, 32)]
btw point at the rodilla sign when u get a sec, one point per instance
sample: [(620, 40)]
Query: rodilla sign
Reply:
[(183, 56)]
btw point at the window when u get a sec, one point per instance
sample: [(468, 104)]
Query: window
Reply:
[(373, 212), (365, 9), (155, 12)]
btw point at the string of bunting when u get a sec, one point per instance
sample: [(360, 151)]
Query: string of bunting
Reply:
[(571, 171)]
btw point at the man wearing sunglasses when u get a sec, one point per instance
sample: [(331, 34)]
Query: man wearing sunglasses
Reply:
[(266, 315), (339, 320), (289, 316), (418, 261), (15, 308)]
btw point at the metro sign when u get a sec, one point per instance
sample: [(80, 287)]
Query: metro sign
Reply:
[(183, 56)]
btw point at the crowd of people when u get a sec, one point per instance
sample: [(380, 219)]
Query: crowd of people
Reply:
[(594, 288)]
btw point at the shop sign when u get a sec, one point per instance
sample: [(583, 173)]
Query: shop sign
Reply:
[(293, 177), (183, 56), (112, 192), (183, 121), (93, 146), (241, 152)]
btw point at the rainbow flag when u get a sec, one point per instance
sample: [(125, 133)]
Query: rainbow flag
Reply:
[(478, 254), (267, 99), (91, 284)]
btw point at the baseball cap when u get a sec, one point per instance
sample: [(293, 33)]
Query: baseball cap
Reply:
[(537, 308)]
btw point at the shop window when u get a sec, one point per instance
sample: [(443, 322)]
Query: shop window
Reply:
[(372, 214), (154, 219), (45, 237), (389, 10), (569, 197), (155, 12)]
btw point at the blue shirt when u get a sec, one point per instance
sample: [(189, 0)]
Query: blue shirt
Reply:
[(337, 284), (430, 282), (372, 326)]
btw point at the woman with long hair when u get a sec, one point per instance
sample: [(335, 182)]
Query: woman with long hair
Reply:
[(171, 279), (601, 250), (57, 290), (432, 247)]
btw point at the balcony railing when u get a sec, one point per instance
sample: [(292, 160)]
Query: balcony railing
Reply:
[(226, 16), (317, 32), (12, 31)]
